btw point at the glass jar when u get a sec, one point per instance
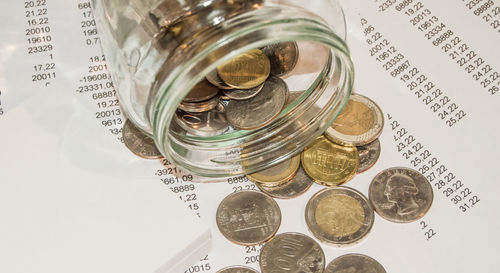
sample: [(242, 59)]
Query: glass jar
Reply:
[(158, 50)]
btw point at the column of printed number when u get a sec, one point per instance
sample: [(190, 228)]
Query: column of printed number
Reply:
[(486, 10)]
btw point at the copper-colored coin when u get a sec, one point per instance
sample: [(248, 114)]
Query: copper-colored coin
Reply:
[(214, 79), (199, 107), (354, 263), (368, 155), (299, 184), (339, 216), (201, 92), (401, 195), (328, 163), (292, 253), (139, 143), (359, 123), (245, 71), (283, 57), (248, 217), (277, 174), (237, 269)]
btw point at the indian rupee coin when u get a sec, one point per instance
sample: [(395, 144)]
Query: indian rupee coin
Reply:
[(283, 57), (299, 184), (139, 143), (245, 71), (339, 216), (401, 195), (198, 107), (292, 253), (205, 124), (237, 269), (359, 123), (354, 263), (260, 110), (243, 94), (201, 92), (368, 155), (248, 217), (278, 174)]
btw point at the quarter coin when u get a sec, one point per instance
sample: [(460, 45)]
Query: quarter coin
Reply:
[(299, 184), (330, 164), (277, 174), (401, 195), (359, 123), (237, 269), (214, 79), (283, 57), (292, 253), (354, 263), (339, 216), (368, 155), (201, 92), (245, 71), (205, 124), (260, 110), (248, 217), (243, 94), (139, 143), (198, 107)]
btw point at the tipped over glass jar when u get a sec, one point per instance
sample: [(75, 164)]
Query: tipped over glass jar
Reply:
[(227, 87)]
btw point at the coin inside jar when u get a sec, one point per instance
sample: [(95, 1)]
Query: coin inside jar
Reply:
[(139, 143), (401, 195), (205, 124), (248, 217), (292, 253), (277, 174), (330, 164), (201, 92), (245, 71), (368, 155), (237, 269), (359, 123), (198, 107), (214, 79), (243, 94), (299, 184), (282, 56), (339, 216), (354, 263)]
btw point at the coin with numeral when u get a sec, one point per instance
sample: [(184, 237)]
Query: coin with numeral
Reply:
[(354, 263), (139, 143)]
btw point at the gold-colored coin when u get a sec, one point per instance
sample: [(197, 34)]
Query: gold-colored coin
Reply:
[(246, 71), (277, 174), (330, 164)]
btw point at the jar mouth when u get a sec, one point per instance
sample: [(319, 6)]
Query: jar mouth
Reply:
[(247, 151)]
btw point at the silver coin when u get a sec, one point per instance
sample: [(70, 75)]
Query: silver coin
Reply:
[(401, 195), (292, 253), (299, 184), (354, 263), (283, 57), (201, 92), (243, 94), (198, 107), (260, 110), (214, 79), (248, 217), (368, 155), (139, 143), (206, 124), (237, 269)]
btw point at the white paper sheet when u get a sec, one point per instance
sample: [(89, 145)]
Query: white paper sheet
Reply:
[(445, 107)]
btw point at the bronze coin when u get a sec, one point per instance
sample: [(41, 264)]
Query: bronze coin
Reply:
[(139, 143), (201, 92), (245, 71)]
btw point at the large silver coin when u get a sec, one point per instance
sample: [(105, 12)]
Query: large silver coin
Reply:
[(260, 110), (248, 217), (201, 92), (292, 253), (198, 107), (214, 79), (206, 124), (401, 195), (237, 269), (283, 57), (368, 155), (299, 184), (137, 142), (243, 94), (354, 263), (339, 216)]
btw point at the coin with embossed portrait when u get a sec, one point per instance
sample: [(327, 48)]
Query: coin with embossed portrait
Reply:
[(360, 122), (292, 253), (330, 164), (368, 155), (400, 194), (245, 71), (339, 216), (354, 263), (237, 269), (139, 143), (283, 57), (299, 184), (248, 217)]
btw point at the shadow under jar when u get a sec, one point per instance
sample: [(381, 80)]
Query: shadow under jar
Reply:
[(160, 52)]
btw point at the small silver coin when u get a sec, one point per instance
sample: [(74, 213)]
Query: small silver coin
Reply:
[(139, 143), (206, 124), (243, 94), (283, 57), (237, 269), (401, 195), (214, 79), (299, 184), (354, 263), (248, 217), (368, 155), (201, 92), (198, 107), (292, 253), (260, 110)]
